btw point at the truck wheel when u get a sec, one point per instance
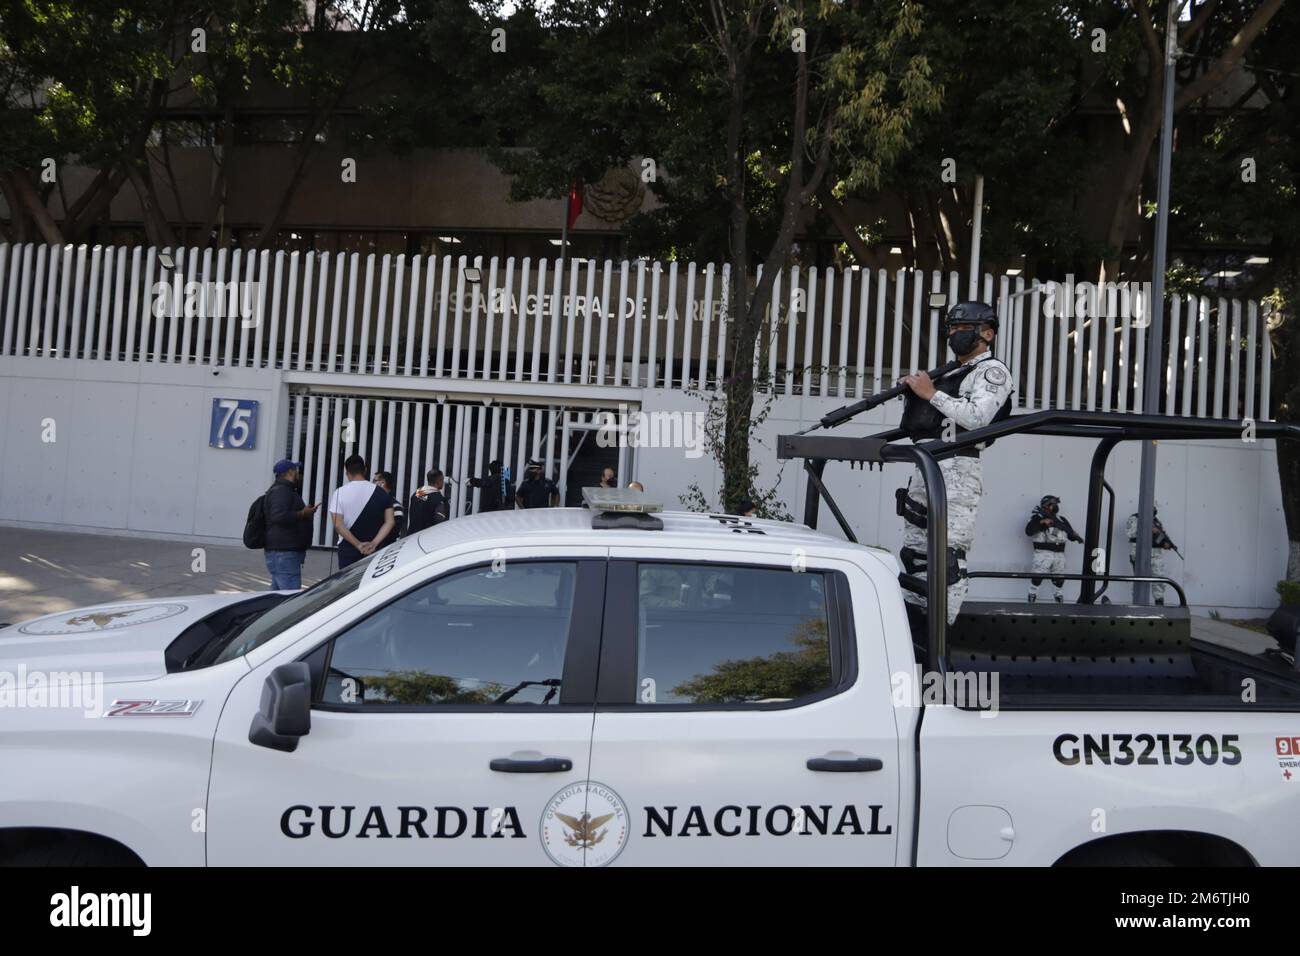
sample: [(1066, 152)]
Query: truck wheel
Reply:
[(1123, 854), (73, 853)]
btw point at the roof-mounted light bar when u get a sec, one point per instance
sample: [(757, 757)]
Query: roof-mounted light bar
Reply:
[(622, 508)]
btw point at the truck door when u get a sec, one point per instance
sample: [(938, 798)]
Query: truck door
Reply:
[(736, 722), (446, 718)]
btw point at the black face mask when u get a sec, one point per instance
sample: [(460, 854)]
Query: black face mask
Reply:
[(963, 343)]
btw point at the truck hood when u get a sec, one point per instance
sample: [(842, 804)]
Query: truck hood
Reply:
[(113, 642)]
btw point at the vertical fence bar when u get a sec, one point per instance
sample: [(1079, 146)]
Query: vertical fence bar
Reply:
[(426, 327), (476, 296), (1202, 356), (412, 309), (557, 305), (634, 372), (652, 326), (459, 312), (539, 316), (827, 330), (1031, 387), (1189, 354), (1220, 338), (1252, 354), (442, 310), (706, 330), (290, 308), (809, 333), (14, 278), (92, 304), (882, 280), (363, 353), (1171, 366), (792, 328), (864, 296), (900, 289), (505, 298), (395, 319)]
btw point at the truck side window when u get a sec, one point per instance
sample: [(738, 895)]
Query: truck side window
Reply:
[(713, 634), (475, 637)]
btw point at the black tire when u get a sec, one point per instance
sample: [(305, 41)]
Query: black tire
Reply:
[(73, 852), (1117, 854)]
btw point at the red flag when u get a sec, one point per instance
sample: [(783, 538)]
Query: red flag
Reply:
[(575, 202)]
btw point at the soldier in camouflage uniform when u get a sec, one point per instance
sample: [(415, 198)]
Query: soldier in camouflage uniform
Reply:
[(1160, 543), (974, 395), (1049, 531)]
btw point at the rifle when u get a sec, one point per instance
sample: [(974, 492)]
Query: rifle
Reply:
[(1159, 538), (841, 415)]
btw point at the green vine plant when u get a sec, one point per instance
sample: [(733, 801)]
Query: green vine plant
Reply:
[(767, 501)]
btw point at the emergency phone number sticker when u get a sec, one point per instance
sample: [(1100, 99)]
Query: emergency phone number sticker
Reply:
[(1122, 750)]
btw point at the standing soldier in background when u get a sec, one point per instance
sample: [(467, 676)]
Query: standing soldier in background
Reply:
[(1160, 543), (1049, 531), (970, 397), (536, 491)]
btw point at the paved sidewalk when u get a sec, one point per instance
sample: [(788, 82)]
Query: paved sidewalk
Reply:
[(42, 572)]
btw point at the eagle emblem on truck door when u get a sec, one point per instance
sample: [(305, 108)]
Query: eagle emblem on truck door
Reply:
[(583, 831)]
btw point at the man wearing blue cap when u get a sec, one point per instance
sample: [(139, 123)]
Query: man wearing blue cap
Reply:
[(288, 527)]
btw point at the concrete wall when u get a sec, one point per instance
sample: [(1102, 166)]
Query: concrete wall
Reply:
[(130, 451)]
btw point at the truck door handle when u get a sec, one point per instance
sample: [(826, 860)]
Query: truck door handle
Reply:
[(845, 765), (544, 765)]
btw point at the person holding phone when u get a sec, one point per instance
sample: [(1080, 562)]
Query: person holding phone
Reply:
[(288, 527)]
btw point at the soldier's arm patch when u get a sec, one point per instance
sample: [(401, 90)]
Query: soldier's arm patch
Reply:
[(995, 375)]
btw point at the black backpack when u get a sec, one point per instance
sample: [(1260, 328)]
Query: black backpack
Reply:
[(255, 524)]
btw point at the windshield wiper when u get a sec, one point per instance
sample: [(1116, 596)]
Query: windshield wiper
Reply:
[(553, 683)]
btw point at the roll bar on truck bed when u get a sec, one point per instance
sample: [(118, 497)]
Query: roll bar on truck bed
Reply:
[(1107, 428)]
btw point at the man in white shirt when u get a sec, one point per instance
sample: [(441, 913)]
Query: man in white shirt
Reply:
[(362, 513)]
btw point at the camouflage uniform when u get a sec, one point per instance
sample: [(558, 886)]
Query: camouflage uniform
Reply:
[(1157, 554), (980, 396), (1048, 563)]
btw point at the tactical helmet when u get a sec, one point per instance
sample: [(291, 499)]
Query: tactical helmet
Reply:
[(1049, 500), (973, 313)]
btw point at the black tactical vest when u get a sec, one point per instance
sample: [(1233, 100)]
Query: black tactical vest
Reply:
[(923, 422)]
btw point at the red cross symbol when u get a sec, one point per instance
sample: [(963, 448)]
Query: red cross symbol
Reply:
[(1287, 774)]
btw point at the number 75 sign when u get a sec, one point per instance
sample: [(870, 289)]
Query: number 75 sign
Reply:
[(234, 423)]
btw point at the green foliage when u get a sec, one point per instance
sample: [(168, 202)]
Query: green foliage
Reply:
[(784, 675), (767, 501), (1289, 591), (420, 688)]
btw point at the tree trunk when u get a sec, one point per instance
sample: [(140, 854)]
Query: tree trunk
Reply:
[(21, 187), (157, 230)]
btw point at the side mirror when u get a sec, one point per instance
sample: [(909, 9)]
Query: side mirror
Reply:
[(285, 711)]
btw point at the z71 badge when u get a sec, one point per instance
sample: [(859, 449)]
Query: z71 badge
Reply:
[(153, 708)]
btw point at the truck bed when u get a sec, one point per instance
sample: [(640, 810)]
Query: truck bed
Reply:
[(1119, 657)]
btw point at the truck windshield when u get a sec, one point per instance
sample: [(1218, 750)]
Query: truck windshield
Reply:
[(292, 610)]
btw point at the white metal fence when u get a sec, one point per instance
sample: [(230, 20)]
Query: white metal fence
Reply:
[(828, 332)]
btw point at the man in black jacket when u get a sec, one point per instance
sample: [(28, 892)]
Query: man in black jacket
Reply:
[(428, 503), (288, 527)]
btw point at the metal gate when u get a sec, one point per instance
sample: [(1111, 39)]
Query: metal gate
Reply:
[(458, 435)]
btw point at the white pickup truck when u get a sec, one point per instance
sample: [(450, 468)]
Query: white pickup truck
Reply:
[(527, 688)]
